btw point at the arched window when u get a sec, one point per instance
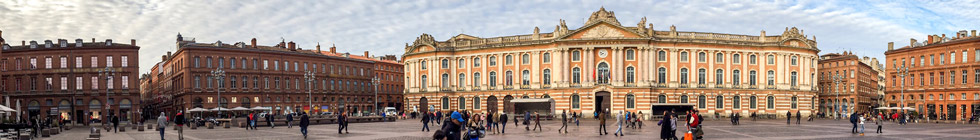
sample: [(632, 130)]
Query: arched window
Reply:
[(752, 76), (770, 102), (476, 79), (752, 59), (461, 63), (683, 76), (684, 99), (719, 102), (424, 82), (603, 73), (546, 58), (792, 78), (737, 102), (793, 102), (576, 101), (525, 77), (493, 79), (476, 62), (462, 81), (702, 102), (662, 56), (422, 64), (630, 55), (701, 76), (736, 58), (661, 98), (771, 60), (509, 78), (629, 75), (476, 102), (492, 60), (509, 59), (752, 102), (546, 76), (662, 75), (736, 77), (525, 59), (445, 103), (702, 57), (683, 56), (720, 58), (462, 103), (445, 81), (719, 76), (576, 75), (445, 63), (770, 78), (630, 101), (576, 56)]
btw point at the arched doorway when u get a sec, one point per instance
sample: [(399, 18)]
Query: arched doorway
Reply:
[(423, 104), (492, 103), (508, 107), (602, 101)]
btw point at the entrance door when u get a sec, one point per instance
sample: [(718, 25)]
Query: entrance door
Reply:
[(508, 107), (602, 101), (79, 116), (951, 111), (492, 104), (423, 104)]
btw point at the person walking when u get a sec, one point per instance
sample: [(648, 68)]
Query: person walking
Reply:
[(503, 122), (665, 126), (576, 115), (527, 120), (342, 122), (425, 122), (619, 124), (304, 122), (115, 123), (854, 122), (438, 115), (602, 123), (272, 120), (798, 116), (639, 118), (179, 121), (537, 121), (289, 120), (862, 124), (162, 124), (789, 115), (564, 122), (490, 123), (878, 122)]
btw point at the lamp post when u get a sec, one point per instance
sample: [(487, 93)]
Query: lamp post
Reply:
[(375, 81), (837, 80), (310, 78), (219, 75), (108, 72), (902, 72)]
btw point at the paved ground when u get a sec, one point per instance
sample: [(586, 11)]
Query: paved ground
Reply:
[(409, 129)]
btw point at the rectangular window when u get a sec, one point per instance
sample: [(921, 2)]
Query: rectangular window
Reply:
[(64, 62), (95, 82), (64, 83), (109, 84), (942, 59), (124, 60), (932, 60), (78, 62), (964, 56), (684, 56), (265, 64), (108, 61), (47, 63), (976, 55), (78, 83), (275, 65), (95, 62), (33, 63), (125, 82), (577, 56), (952, 58), (47, 83)]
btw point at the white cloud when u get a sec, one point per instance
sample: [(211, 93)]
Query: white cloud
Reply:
[(383, 27)]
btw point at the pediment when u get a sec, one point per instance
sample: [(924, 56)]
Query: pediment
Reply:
[(603, 30)]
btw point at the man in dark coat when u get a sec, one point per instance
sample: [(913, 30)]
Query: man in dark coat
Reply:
[(425, 122), (854, 121), (304, 122), (564, 122), (115, 124), (798, 117), (342, 121), (503, 122), (527, 120), (665, 126), (289, 120), (788, 116)]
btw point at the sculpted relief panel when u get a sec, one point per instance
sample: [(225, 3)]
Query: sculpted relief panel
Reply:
[(602, 31)]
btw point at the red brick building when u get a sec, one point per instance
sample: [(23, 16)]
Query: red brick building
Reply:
[(62, 79), (267, 76), (857, 89), (943, 76)]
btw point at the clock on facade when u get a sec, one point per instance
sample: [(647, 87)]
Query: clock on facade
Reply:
[(602, 53)]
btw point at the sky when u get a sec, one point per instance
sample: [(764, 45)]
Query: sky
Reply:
[(384, 26)]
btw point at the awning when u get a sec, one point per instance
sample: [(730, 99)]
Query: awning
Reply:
[(197, 110), (532, 100), (240, 109), (6, 109), (261, 108), (219, 109)]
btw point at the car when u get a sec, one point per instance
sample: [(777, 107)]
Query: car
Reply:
[(390, 111)]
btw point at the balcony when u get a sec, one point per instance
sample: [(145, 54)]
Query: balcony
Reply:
[(736, 86), (508, 87), (719, 85), (794, 87), (770, 86), (476, 88), (460, 88), (546, 86), (702, 86), (661, 85), (491, 87), (753, 86), (525, 86), (445, 89), (630, 85), (683, 85), (575, 85), (422, 90)]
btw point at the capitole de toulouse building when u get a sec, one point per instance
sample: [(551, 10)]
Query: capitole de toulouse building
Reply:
[(606, 66)]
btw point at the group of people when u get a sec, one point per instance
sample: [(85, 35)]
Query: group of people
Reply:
[(858, 119)]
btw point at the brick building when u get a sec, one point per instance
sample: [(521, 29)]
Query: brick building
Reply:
[(266, 76), (62, 79), (943, 76), (604, 65), (858, 87), (390, 73)]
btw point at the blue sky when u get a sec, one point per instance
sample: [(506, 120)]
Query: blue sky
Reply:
[(383, 27)]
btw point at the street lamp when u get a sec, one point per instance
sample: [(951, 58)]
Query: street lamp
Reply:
[(375, 81), (837, 80), (902, 72), (219, 75), (108, 72), (310, 78)]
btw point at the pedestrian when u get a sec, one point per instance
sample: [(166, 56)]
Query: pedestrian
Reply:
[(602, 123), (798, 116), (527, 120), (673, 124), (854, 124), (289, 120), (254, 120), (162, 123), (489, 119), (732, 118), (878, 122), (438, 115), (789, 115), (342, 122), (619, 124), (576, 115), (179, 121), (115, 123), (753, 116), (537, 121), (639, 118), (862, 124), (564, 122), (503, 122), (304, 122), (665, 126), (272, 120), (425, 122), (454, 126)]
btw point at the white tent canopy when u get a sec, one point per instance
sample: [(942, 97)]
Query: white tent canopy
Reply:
[(219, 109), (261, 108), (240, 109), (198, 109), (6, 109)]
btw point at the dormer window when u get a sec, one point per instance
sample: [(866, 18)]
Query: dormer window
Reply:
[(47, 44), (63, 43), (33, 44), (78, 42), (108, 42)]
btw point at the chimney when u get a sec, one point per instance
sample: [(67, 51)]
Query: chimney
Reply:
[(333, 49), (93, 40), (132, 42), (317, 47), (292, 46), (169, 53), (941, 39), (911, 42), (973, 33), (23, 43), (163, 58), (930, 39), (366, 54), (891, 46), (253, 43)]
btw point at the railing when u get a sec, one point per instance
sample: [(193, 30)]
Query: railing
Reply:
[(795, 87), (719, 85), (445, 89), (753, 86), (422, 89), (476, 88), (770, 87), (507, 87), (523, 86), (683, 85), (630, 85), (491, 87), (546, 86), (460, 88), (702, 85), (737, 86), (661, 85), (575, 85)]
